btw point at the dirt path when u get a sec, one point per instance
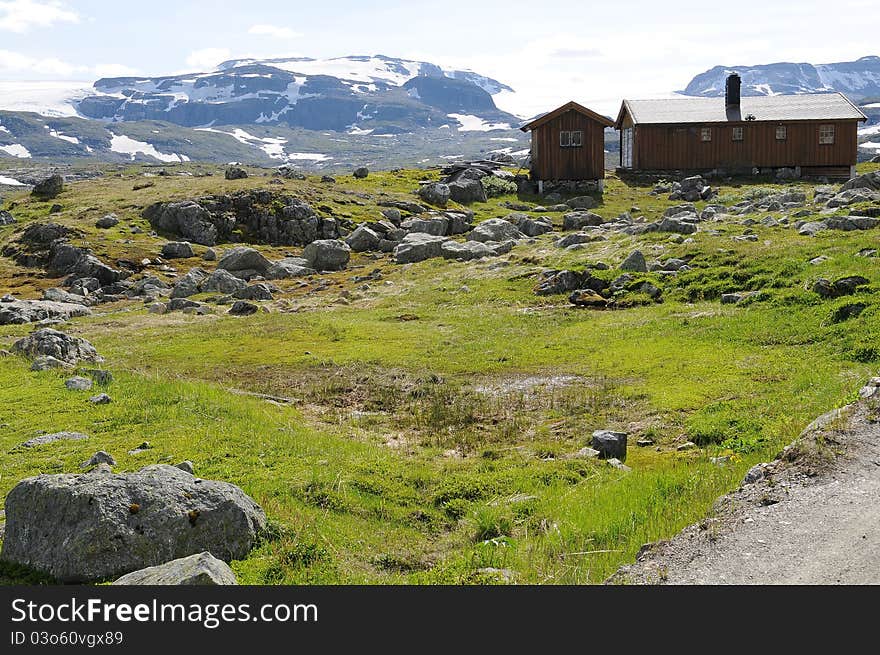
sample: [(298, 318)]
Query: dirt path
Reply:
[(812, 517)]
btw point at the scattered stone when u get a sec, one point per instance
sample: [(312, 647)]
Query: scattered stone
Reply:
[(177, 250), (243, 308), (327, 255), (610, 444), (361, 173), (465, 191), (220, 280), (582, 202), (100, 457), (587, 298), (108, 221), (200, 569), (586, 453), (644, 442), (58, 345), (687, 445), (259, 291), (78, 383), (143, 447), (581, 219), (635, 262), (417, 247), (236, 173), (616, 463), (363, 239), (47, 362), (757, 473), (45, 439), (101, 399), (19, 312), (244, 263), (71, 526), (48, 188), (495, 229), (187, 466), (210, 255)]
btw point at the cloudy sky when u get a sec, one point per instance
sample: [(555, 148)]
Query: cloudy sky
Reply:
[(549, 51)]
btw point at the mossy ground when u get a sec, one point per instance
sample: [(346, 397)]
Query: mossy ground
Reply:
[(433, 413)]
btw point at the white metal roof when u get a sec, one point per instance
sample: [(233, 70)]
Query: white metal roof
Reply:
[(806, 107)]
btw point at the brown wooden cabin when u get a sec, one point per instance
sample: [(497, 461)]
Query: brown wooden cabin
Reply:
[(568, 143), (815, 134)]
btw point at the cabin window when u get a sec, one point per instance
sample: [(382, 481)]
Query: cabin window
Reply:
[(826, 134), (571, 139), (781, 133), (737, 134), (706, 134)]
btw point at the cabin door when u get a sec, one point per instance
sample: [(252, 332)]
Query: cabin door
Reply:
[(626, 147)]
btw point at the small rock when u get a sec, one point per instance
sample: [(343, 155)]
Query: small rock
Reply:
[(616, 463), (361, 173), (186, 466), (44, 439), (200, 569), (243, 308), (687, 445), (100, 457), (236, 173), (108, 221), (78, 383), (610, 444), (101, 399)]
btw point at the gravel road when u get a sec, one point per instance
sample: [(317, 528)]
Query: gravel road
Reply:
[(812, 517)]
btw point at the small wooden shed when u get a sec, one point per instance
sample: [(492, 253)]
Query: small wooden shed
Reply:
[(568, 143)]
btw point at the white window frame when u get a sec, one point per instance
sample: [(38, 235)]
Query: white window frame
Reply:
[(826, 135), (781, 133), (705, 134), (738, 133), (571, 138)]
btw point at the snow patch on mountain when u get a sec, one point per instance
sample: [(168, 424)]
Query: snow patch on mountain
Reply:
[(471, 123), (16, 150), (63, 137), (127, 146), (53, 99), (9, 181)]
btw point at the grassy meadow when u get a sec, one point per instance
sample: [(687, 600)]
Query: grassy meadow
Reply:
[(421, 423)]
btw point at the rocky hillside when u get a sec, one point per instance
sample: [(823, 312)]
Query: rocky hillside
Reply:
[(860, 79)]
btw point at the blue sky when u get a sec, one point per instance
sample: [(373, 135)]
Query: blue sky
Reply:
[(549, 51)]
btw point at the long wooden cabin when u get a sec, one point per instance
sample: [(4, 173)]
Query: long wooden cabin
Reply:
[(814, 134), (568, 144)]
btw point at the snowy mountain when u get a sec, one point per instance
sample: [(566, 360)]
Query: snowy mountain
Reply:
[(858, 79), (384, 94), (315, 113)]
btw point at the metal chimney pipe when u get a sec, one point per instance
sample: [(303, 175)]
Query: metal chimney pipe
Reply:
[(732, 91)]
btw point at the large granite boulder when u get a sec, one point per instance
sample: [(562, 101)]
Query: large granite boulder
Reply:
[(18, 312), (187, 219), (52, 343), (97, 525), (417, 247), (327, 255), (495, 229), (49, 188), (244, 263)]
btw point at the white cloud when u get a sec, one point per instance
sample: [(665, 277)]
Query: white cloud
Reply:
[(114, 70), (274, 31), (21, 15), (15, 62), (208, 58)]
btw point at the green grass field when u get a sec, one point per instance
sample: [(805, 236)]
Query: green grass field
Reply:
[(432, 415)]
